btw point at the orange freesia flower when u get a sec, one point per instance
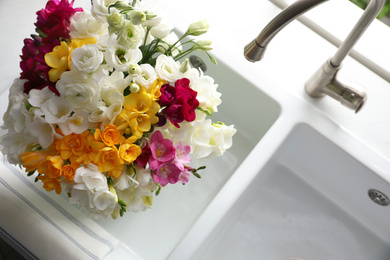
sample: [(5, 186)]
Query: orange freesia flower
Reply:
[(53, 167), (32, 160), (111, 136), (69, 170), (73, 144), (50, 184)]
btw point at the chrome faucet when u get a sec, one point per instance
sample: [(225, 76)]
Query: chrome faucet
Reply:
[(325, 80)]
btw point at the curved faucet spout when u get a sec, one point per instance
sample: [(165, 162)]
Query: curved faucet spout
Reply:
[(254, 51), (323, 81)]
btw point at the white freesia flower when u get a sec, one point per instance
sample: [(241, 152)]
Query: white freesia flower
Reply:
[(210, 140), (87, 58), (138, 199), (56, 110), (104, 202), (167, 68), (40, 132), (147, 76), (113, 87), (84, 25), (91, 177), (13, 145), (208, 96), (39, 96), (77, 123), (82, 93), (17, 116), (91, 191), (143, 176)]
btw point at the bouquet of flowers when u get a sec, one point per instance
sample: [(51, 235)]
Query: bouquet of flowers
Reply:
[(107, 107)]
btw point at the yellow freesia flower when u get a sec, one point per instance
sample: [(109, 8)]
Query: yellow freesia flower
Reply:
[(59, 59), (129, 151), (138, 113)]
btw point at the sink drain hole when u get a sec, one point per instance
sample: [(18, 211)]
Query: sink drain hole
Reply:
[(378, 197), (198, 63)]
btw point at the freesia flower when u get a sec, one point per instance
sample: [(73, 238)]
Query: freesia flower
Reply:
[(180, 102), (208, 96), (162, 150), (54, 20)]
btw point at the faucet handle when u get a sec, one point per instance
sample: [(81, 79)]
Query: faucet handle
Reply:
[(327, 81)]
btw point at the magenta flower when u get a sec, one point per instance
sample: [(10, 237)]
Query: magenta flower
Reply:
[(54, 20), (180, 102), (167, 173), (143, 159), (167, 95), (162, 150), (33, 65)]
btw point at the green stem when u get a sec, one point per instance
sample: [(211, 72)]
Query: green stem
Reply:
[(173, 45)]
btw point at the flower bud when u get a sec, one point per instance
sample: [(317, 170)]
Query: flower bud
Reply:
[(150, 15), (116, 22), (185, 66), (134, 88), (137, 17), (202, 45), (134, 70), (121, 5), (198, 28)]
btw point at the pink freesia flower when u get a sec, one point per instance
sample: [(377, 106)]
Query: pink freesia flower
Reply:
[(162, 150), (182, 155), (167, 173), (184, 177), (54, 20)]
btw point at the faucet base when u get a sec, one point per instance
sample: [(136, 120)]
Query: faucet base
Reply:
[(326, 81)]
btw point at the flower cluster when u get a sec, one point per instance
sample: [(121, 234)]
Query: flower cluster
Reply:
[(107, 108)]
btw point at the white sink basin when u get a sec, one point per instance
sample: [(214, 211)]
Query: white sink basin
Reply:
[(177, 207), (310, 201)]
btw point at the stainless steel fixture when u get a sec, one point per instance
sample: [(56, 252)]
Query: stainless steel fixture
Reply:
[(326, 80)]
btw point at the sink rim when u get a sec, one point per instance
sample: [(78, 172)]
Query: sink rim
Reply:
[(291, 116)]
